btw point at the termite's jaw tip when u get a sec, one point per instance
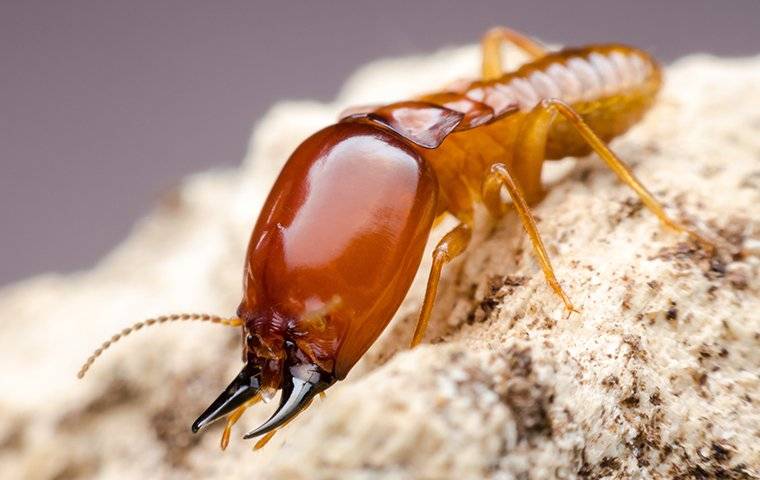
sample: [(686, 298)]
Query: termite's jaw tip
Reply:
[(202, 422), (199, 424), (296, 396), (242, 388)]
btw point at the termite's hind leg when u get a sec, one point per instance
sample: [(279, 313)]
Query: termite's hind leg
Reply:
[(499, 177), (620, 169), (491, 45), (450, 246)]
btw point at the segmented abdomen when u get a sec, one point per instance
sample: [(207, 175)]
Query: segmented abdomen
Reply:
[(575, 75), (610, 86)]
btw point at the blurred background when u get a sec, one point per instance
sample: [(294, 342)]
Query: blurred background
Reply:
[(104, 106)]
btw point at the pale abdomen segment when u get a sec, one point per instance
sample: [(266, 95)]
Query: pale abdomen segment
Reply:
[(577, 76)]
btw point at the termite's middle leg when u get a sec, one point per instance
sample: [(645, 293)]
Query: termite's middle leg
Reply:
[(499, 177), (450, 246), (491, 44)]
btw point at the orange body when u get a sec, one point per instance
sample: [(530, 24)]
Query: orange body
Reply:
[(342, 233)]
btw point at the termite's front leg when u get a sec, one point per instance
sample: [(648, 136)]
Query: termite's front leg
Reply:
[(491, 44), (233, 417), (450, 246), (499, 177)]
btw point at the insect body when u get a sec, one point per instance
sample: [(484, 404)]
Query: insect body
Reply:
[(342, 233)]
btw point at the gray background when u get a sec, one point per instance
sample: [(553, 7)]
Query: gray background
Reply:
[(105, 105)]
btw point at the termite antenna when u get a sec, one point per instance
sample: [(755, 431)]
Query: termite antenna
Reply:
[(199, 317)]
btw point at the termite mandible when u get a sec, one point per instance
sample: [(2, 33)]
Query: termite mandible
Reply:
[(342, 233)]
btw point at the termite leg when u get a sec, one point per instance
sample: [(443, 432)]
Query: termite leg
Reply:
[(624, 173), (264, 440), (499, 177), (529, 152), (233, 418), (491, 44), (450, 246)]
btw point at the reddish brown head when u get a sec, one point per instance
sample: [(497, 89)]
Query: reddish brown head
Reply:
[(332, 256)]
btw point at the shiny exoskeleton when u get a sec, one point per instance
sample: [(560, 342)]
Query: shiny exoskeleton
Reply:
[(342, 233)]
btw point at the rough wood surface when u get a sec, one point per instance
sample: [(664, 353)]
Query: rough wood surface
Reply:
[(658, 377)]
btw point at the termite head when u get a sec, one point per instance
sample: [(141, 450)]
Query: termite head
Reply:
[(316, 292), (243, 388), (333, 253)]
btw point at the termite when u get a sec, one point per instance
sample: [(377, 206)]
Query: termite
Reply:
[(342, 233)]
